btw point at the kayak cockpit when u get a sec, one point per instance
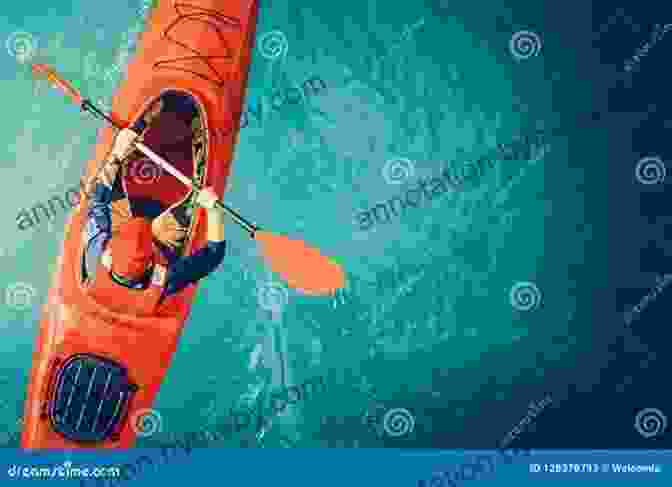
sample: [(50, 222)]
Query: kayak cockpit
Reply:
[(174, 126)]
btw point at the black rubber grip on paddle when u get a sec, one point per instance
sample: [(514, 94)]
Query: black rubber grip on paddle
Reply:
[(87, 106)]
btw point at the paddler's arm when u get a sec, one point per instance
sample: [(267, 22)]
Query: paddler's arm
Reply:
[(99, 221), (188, 270)]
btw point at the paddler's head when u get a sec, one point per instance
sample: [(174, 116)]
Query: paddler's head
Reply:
[(132, 249)]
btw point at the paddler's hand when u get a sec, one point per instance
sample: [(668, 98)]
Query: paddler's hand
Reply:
[(123, 144), (153, 111), (167, 230), (207, 198)]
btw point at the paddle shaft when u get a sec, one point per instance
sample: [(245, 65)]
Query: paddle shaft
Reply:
[(154, 157), (251, 229)]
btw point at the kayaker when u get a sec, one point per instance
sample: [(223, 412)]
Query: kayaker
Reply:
[(131, 258)]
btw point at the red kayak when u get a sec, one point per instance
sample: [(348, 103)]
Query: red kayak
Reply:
[(96, 370)]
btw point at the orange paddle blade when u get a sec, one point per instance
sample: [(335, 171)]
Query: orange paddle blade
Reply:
[(303, 267), (47, 72)]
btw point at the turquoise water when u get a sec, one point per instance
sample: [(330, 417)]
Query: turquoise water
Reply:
[(427, 322)]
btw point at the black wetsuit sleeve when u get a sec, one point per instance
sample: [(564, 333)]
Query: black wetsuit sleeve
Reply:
[(188, 270)]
